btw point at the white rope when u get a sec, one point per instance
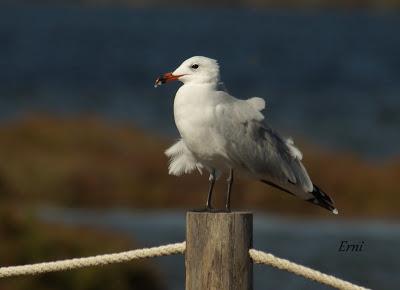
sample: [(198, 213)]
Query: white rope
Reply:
[(171, 249), (260, 257), (39, 268)]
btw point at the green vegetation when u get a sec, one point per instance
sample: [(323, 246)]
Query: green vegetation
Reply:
[(90, 163)]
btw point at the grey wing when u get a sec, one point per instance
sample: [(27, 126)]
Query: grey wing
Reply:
[(253, 147)]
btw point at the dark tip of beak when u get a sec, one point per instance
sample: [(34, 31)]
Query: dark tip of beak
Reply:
[(159, 81), (167, 77)]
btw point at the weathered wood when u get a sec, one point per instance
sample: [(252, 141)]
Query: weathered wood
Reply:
[(217, 251)]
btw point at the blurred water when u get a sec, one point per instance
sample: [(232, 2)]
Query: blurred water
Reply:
[(314, 243), (331, 77)]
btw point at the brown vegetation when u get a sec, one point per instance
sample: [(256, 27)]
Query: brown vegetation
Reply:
[(25, 241), (90, 163)]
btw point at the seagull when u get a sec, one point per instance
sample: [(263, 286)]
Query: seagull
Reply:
[(222, 134)]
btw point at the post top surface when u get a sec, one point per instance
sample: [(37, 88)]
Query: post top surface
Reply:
[(193, 212)]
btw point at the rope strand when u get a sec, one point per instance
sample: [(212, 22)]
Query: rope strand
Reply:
[(260, 257), (99, 260), (172, 249)]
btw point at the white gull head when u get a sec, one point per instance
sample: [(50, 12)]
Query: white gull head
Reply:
[(198, 70), (195, 70)]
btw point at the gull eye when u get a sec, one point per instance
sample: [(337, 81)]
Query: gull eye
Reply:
[(195, 66)]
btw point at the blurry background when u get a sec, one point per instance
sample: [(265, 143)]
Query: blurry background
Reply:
[(82, 133)]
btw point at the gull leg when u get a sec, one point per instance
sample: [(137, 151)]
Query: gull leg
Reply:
[(210, 190), (228, 193)]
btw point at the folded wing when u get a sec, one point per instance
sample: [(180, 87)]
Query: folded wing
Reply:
[(258, 150)]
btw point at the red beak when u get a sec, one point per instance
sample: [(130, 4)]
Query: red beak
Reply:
[(167, 77)]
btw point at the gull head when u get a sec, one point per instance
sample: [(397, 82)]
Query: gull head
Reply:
[(195, 70)]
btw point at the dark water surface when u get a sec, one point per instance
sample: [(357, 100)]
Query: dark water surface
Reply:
[(333, 78), (314, 243)]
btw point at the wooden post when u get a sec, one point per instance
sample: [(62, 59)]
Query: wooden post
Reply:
[(217, 251)]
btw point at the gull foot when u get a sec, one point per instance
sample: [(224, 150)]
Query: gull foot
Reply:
[(227, 209)]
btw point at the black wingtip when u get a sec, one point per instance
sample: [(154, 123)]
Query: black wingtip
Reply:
[(319, 197), (323, 200)]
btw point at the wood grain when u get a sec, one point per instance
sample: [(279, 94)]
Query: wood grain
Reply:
[(217, 251)]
